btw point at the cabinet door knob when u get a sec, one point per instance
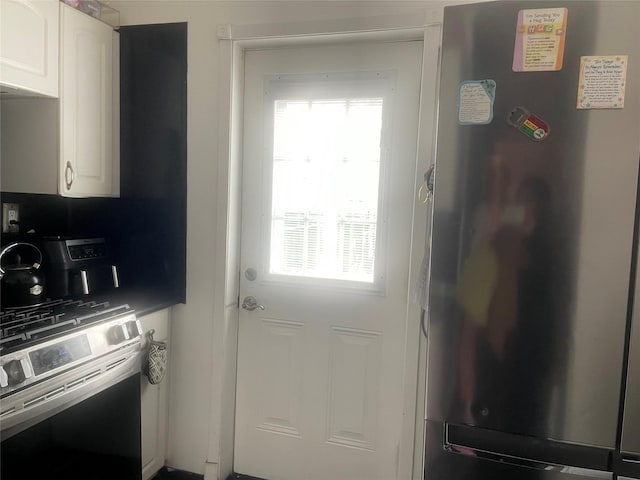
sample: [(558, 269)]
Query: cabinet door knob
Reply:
[(69, 175)]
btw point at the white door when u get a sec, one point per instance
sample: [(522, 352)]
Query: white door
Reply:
[(328, 182)]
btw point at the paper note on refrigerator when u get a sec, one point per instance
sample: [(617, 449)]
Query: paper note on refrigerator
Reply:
[(602, 81), (475, 102), (540, 36)]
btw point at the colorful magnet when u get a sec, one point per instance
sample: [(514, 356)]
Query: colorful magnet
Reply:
[(528, 124), (475, 102), (540, 38)]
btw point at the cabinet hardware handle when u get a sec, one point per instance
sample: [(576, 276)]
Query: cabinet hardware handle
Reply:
[(69, 175)]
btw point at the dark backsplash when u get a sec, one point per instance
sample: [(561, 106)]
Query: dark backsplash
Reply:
[(45, 214), (141, 233)]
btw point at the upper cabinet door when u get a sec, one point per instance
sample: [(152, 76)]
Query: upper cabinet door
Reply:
[(86, 106), (29, 46)]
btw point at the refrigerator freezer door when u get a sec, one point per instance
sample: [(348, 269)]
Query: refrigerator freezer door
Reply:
[(505, 446), (532, 240), (448, 458)]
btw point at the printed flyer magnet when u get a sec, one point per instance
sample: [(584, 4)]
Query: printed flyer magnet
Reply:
[(528, 124), (475, 102), (602, 81), (540, 37)]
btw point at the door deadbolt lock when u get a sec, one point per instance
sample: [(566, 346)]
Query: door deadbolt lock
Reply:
[(250, 303), (250, 274)]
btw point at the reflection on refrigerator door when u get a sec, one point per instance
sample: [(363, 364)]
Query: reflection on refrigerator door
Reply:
[(531, 338)]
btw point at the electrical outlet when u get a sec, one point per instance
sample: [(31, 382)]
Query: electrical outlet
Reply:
[(10, 217)]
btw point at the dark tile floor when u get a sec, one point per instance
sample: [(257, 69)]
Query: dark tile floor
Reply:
[(171, 474), (239, 476)]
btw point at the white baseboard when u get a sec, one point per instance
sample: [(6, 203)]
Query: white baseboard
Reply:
[(211, 471)]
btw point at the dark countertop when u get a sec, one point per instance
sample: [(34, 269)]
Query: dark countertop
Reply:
[(143, 300)]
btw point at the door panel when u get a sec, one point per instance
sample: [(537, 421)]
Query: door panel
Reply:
[(353, 383), (328, 183), (281, 377)]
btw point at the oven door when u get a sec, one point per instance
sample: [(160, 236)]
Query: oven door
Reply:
[(93, 435)]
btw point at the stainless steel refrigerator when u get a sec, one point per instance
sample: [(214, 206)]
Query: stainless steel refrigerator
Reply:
[(534, 302)]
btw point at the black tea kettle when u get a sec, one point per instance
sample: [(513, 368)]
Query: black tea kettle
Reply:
[(22, 283)]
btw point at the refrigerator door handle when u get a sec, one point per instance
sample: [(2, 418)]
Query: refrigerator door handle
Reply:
[(631, 459)]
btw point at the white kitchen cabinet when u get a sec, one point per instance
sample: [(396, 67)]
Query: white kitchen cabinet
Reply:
[(154, 403), (29, 47), (86, 106), (69, 146)]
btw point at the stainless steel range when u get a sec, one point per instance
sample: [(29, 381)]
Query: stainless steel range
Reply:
[(60, 355)]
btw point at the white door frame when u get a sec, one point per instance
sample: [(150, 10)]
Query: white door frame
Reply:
[(233, 41)]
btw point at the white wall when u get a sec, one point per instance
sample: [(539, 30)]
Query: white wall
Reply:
[(199, 379)]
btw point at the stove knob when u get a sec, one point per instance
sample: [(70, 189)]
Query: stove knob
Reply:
[(117, 334), (26, 367), (17, 371), (134, 328), (4, 378)]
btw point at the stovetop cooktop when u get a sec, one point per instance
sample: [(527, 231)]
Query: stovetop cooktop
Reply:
[(21, 327)]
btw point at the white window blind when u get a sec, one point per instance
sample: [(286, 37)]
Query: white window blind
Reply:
[(326, 169)]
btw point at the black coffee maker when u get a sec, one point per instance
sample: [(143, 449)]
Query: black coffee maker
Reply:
[(78, 266)]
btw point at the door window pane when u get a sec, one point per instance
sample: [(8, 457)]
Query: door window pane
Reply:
[(326, 169)]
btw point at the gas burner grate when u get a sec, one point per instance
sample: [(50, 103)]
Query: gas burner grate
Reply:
[(11, 341), (51, 308)]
